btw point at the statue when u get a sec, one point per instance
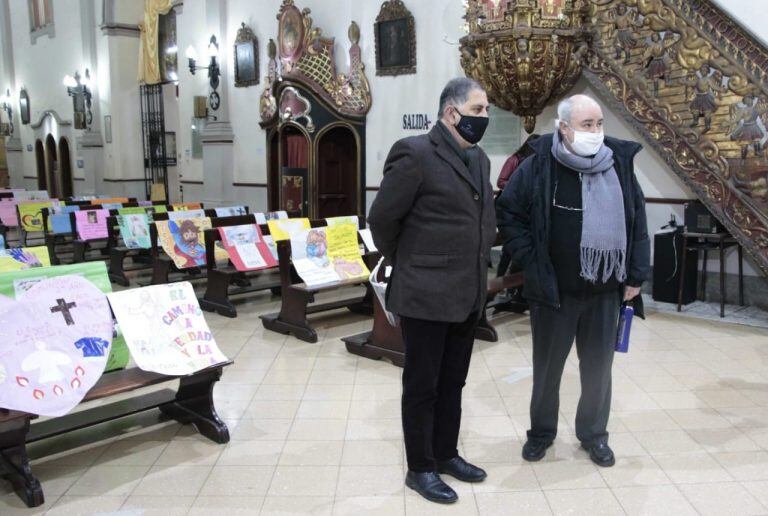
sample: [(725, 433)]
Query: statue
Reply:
[(747, 125), (657, 59), (624, 20), (707, 84)]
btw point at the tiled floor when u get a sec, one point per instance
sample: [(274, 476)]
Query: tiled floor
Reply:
[(316, 430)]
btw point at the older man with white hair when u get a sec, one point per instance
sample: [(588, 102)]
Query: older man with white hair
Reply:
[(573, 217)]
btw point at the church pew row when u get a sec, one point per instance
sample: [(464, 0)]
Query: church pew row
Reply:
[(297, 296), (386, 341), (191, 402), (224, 281)]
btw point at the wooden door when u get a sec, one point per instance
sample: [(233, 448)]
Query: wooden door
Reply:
[(338, 173), (65, 168), (52, 167)]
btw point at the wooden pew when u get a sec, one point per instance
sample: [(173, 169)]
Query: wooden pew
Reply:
[(191, 403), (221, 278), (386, 341), (297, 296)]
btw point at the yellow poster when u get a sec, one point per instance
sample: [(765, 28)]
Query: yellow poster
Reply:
[(183, 240), (110, 200), (186, 206), (282, 229), (31, 215), (344, 251), (21, 258)]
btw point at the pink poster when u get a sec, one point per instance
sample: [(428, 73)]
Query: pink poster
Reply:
[(8, 214), (56, 341), (246, 247), (91, 224)]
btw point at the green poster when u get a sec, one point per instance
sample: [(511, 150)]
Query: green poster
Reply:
[(136, 210), (17, 282)]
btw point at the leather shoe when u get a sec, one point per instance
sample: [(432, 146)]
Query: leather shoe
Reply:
[(534, 450), (601, 454), (462, 470), (430, 486)]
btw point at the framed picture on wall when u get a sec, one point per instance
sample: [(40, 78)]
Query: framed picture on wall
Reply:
[(395, 35), (246, 57), (170, 149), (108, 128), (24, 106)]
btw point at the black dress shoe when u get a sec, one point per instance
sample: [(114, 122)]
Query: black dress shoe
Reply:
[(601, 454), (461, 469), (534, 450), (430, 486)]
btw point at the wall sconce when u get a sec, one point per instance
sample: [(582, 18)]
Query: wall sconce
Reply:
[(81, 95), (213, 70), (7, 102)]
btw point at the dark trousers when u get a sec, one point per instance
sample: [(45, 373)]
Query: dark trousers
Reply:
[(592, 319), (437, 358)]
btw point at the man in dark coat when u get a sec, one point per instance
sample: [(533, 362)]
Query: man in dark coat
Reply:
[(573, 216), (434, 220)]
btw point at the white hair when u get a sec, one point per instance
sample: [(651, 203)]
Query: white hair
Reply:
[(565, 107)]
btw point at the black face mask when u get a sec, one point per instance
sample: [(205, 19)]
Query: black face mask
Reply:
[(472, 128)]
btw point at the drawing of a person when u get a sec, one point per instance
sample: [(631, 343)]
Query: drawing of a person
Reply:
[(187, 240), (92, 217), (346, 269), (317, 248)]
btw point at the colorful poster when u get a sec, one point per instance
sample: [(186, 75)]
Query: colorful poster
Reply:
[(185, 206), (283, 229), (16, 284), (368, 240), (246, 247), (165, 329), (59, 221), (2, 241), (230, 211), (262, 218), (31, 195), (111, 205), (8, 215), (91, 224), (134, 229), (271, 245), (182, 240), (186, 214), (133, 210), (20, 258), (335, 221), (31, 214), (144, 203), (110, 200), (56, 340), (327, 255)]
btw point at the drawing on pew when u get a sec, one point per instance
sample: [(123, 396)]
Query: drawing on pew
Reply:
[(59, 221), (31, 214), (149, 209), (247, 248), (16, 285), (109, 200), (165, 329), (282, 229), (55, 345), (134, 230), (327, 254), (30, 195), (262, 218), (8, 215), (186, 206), (183, 241), (230, 211), (91, 224), (186, 214), (350, 219), (20, 258)]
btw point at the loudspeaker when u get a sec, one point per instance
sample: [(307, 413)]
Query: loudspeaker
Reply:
[(698, 219), (667, 262)]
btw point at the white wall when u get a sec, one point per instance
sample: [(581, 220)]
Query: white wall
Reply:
[(750, 14)]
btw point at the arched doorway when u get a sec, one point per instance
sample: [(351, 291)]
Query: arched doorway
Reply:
[(42, 179), (51, 166), (65, 175), (294, 168), (337, 188)]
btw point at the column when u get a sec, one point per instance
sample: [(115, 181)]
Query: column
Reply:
[(13, 147)]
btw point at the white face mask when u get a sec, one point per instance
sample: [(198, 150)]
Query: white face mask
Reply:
[(585, 143)]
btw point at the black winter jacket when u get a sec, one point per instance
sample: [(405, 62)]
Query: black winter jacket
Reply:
[(523, 214)]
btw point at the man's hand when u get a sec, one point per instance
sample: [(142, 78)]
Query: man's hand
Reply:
[(630, 293)]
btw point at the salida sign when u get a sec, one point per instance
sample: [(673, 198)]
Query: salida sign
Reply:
[(416, 122)]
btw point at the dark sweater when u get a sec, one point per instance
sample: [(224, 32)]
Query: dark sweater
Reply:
[(565, 235)]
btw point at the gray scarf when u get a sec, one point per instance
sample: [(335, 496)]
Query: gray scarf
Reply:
[(603, 230)]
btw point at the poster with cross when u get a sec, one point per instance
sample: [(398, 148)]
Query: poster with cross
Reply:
[(56, 340)]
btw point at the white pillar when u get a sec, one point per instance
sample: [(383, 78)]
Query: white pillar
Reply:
[(13, 147), (218, 138)]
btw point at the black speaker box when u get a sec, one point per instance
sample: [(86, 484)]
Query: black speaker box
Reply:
[(698, 219), (667, 262)]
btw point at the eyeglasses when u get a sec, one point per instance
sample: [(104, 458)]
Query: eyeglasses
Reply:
[(554, 199)]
